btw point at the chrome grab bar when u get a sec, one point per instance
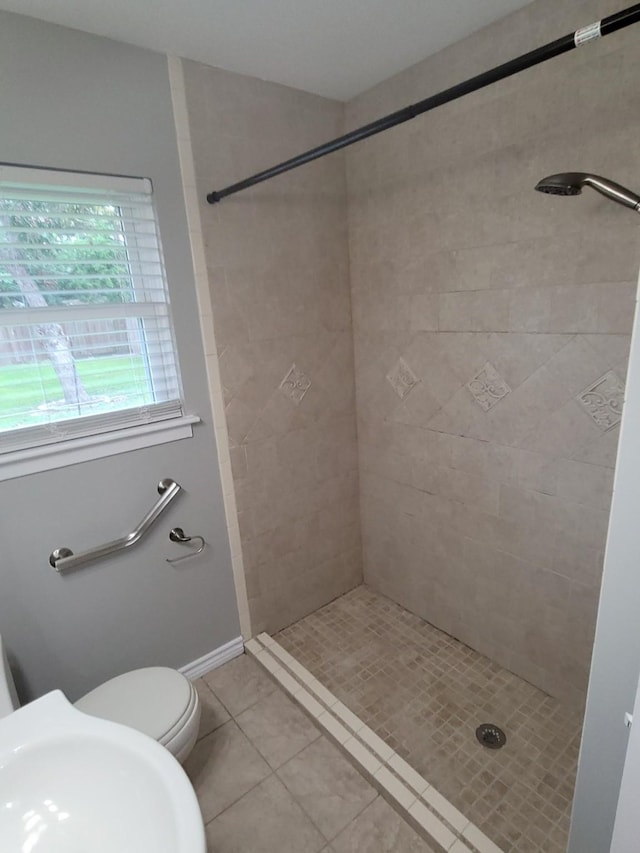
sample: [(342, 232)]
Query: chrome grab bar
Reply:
[(64, 560)]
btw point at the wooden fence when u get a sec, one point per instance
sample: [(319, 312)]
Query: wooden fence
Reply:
[(88, 338)]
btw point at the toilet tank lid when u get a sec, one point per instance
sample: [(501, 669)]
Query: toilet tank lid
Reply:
[(151, 700)]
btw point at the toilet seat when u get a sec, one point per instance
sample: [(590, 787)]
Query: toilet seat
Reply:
[(158, 701)]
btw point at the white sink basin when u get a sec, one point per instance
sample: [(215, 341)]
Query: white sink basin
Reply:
[(71, 783)]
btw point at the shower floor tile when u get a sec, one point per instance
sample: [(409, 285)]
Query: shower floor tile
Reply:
[(425, 694), (269, 781)]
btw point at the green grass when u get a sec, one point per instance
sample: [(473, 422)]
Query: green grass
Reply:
[(24, 387)]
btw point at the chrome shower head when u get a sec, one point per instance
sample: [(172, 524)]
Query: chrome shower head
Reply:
[(571, 183)]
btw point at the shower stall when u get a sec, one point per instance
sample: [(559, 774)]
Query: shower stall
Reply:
[(423, 364)]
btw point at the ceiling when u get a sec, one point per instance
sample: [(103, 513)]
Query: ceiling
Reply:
[(336, 48)]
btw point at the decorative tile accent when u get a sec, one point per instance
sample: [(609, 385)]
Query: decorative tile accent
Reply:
[(295, 384), (603, 400), (402, 378), (488, 387)]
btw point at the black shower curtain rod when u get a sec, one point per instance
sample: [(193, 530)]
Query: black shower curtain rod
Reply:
[(607, 25)]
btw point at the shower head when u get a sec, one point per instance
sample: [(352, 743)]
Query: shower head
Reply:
[(571, 183)]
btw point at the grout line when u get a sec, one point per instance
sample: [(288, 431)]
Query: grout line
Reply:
[(479, 840), (237, 800), (433, 827), (295, 796), (272, 772), (460, 847), (253, 646), (428, 811)]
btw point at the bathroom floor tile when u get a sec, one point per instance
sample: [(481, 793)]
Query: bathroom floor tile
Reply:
[(223, 767), (327, 786), (379, 829), (315, 794), (277, 728), (265, 820), (213, 713), (240, 684), (424, 693)]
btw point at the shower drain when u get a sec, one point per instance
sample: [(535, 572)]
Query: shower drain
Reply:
[(491, 736)]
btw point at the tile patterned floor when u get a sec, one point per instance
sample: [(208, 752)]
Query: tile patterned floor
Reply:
[(269, 782), (425, 693)]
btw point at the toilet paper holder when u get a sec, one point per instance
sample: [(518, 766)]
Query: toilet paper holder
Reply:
[(178, 535)]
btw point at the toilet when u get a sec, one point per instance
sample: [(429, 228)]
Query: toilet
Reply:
[(157, 701)]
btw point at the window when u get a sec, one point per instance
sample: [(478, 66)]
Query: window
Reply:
[(86, 340)]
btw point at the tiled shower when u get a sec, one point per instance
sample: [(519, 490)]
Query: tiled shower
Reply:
[(491, 329), (423, 360)]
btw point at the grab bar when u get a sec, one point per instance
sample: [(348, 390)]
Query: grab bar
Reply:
[(63, 559)]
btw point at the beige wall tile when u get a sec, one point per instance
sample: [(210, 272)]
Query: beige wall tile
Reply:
[(277, 263), (585, 484), (538, 287)]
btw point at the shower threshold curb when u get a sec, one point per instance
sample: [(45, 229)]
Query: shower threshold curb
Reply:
[(417, 801)]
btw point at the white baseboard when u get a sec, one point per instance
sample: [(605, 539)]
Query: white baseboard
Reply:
[(213, 659)]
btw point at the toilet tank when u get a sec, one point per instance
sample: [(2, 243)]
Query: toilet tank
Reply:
[(8, 694)]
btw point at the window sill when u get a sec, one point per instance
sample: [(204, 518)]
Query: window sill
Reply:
[(19, 463)]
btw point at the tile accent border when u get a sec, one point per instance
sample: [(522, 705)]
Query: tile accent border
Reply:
[(416, 800), (214, 659), (205, 309)]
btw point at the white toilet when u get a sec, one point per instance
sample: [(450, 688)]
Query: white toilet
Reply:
[(158, 701)]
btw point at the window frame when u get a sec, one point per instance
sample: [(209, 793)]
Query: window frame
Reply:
[(97, 436)]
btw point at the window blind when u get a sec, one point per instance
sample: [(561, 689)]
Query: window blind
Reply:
[(86, 338)]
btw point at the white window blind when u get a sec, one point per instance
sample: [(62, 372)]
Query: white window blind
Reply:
[(86, 340)]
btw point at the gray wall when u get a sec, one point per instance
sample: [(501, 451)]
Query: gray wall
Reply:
[(616, 652), (74, 101), (491, 524)]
